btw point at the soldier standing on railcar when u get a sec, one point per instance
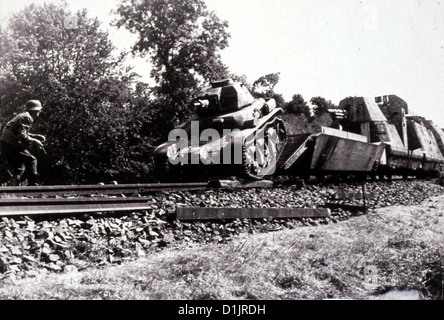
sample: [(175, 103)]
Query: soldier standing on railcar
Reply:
[(15, 141)]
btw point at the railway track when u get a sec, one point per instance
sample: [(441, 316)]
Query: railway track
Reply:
[(88, 198), (68, 199), (11, 207), (12, 202), (110, 189), (71, 199)]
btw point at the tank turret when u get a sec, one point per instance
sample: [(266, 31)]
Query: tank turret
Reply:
[(222, 97), (395, 109)]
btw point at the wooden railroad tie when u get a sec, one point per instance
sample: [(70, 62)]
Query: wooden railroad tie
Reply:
[(234, 184), (200, 213), (340, 195)]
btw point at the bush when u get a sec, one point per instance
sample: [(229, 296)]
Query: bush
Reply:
[(93, 119), (300, 124)]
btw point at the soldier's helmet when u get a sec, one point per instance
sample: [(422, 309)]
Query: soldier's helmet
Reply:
[(33, 105)]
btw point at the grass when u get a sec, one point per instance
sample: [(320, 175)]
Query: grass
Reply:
[(389, 248)]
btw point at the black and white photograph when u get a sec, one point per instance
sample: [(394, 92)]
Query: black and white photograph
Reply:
[(222, 158)]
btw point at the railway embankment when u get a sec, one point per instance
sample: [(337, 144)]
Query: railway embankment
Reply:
[(396, 245)]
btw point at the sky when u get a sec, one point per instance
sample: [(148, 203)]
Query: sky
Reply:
[(328, 48)]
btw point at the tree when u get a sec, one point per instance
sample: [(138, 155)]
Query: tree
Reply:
[(298, 105), (321, 105), (242, 79), (265, 84), (85, 90), (183, 40), (38, 47), (264, 88)]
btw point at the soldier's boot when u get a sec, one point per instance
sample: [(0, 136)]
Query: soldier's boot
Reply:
[(33, 180)]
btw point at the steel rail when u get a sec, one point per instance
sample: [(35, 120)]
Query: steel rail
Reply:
[(10, 207), (139, 188), (17, 207), (129, 189)]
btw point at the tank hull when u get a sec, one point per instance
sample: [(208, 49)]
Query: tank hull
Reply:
[(233, 154)]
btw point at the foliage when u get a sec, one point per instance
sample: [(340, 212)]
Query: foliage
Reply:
[(84, 88), (321, 105), (264, 88), (301, 124), (298, 105), (182, 39), (298, 115), (242, 79), (265, 84)]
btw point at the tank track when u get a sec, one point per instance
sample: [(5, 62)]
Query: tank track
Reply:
[(281, 130)]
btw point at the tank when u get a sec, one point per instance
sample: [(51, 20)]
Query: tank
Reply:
[(232, 133)]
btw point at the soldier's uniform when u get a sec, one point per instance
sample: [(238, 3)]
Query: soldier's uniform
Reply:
[(14, 143)]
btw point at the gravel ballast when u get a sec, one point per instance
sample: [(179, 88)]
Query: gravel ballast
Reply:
[(62, 244)]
